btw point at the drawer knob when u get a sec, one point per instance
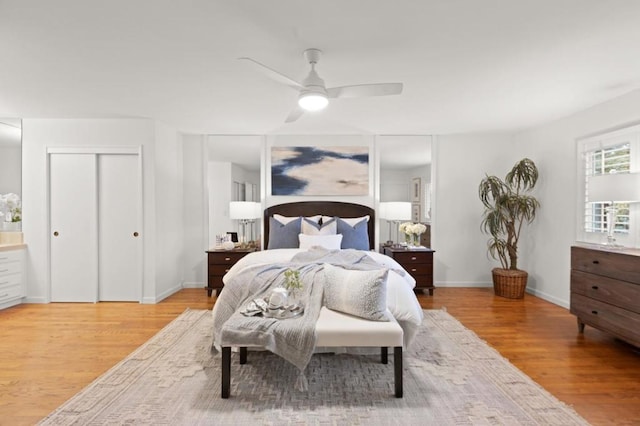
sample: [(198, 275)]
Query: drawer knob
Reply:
[(414, 258), (226, 270), (594, 287), (227, 259), (595, 262), (413, 269), (594, 312)]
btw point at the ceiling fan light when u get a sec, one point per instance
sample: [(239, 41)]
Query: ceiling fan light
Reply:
[(312, 101)]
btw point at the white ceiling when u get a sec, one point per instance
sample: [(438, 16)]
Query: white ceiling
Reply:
[(466, 65)]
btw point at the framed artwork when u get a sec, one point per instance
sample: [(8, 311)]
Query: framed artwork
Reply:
[(416, 190), (415, 212), (319, 170)]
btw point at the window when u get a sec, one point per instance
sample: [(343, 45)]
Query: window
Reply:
[(613, 152)]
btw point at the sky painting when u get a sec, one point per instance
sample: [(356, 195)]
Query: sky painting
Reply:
[(327, 170)]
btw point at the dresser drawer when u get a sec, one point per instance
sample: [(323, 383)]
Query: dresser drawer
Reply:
[(620, 322), (619, 293), (610, 264), (10, 256), (423, 280), (215, 281), (409, 258), (10, 292), (9, 268), (9, 280)]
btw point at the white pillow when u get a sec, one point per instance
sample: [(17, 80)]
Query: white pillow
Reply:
[(354, 292), (310, 227), (286, 219), (352, 221), (330, 242)]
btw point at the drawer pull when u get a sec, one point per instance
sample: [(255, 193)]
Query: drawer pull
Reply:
[(3, 270), (595, 262), (413, 269), (226, 270), (414, 258), (594, 312), (227, 259), (3, 295), (4, 282), (594, 287), (4, 258)]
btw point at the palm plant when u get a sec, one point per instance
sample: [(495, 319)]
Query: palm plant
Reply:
[(507, 206)]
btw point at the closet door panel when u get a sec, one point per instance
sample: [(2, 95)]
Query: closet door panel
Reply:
[(73, 236), (119, 235)]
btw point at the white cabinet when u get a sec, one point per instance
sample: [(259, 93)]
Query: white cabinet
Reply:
[(11, 278)]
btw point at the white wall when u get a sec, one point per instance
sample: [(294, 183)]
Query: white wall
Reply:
[(38, 134), (460, 162), (553, 146), (169, 232), (194, 270)]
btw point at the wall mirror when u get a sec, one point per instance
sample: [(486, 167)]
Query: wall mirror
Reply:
[(405, 176), (233, 174), (10, 172)]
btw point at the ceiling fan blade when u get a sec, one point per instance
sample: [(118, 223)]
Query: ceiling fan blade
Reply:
[(362, 90), (273, 74), (294, 115)]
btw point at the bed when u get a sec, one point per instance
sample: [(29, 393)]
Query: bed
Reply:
[(350, 278)]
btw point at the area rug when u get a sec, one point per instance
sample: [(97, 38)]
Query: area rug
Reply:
[(451, 377)]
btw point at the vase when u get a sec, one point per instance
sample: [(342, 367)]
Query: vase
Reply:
[(407, 239), (415, 240)]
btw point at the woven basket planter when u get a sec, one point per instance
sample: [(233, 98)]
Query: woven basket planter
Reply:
[(509, 283)]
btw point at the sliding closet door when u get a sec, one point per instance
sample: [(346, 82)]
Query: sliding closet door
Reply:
[(73, 216), (119, 235)]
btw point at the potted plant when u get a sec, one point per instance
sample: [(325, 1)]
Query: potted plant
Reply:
[(507, 206)]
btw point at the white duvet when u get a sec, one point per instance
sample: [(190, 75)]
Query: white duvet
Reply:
[(401, 300)]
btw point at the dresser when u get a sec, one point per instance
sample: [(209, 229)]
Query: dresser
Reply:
[(12, 281), (605, 290), (419, 263), (219, 263)]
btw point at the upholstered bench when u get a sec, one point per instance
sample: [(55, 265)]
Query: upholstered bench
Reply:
[(335, 329)]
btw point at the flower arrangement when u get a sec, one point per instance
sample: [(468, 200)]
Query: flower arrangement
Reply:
[(412, 231), (292, 279), (11, 207)]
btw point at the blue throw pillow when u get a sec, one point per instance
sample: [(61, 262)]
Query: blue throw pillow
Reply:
[(283, 236), (354, 237)]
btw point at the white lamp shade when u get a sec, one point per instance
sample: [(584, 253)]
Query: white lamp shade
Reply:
[(244, 210), (618, 187), (395, 210)]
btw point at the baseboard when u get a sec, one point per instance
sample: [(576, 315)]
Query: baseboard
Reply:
[(549, 298), (162, 296), (463, 284), (193, 285)]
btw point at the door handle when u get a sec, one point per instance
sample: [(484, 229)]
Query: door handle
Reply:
[(135, 234), (55, 233)]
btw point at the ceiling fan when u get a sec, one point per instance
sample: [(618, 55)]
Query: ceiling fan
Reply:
[(313, 95)]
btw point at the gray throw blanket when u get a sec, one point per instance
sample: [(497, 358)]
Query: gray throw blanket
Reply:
[(293, 339)]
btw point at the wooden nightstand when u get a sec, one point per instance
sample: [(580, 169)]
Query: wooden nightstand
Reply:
[(419, 263), (220, 261)]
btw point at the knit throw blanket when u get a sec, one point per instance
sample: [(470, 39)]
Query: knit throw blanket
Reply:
[(293, 339)]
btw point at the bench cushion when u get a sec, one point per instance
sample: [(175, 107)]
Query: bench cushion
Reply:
[(336, 329)]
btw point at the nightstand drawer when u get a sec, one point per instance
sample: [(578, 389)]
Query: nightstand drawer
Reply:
[(216, 269), (608, 290), (408, 258), (225, 258), (418, 269)]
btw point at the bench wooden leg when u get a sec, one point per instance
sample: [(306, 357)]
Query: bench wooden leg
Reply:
[(397, 364), (384, 355), (226, 371), (243, 355)]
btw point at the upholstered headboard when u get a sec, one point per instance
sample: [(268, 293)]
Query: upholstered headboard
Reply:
[(327, 208)]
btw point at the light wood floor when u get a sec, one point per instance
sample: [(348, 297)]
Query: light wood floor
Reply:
[(50, 352)]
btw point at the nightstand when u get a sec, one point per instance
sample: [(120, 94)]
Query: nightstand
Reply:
[(220, 261), (418, 262)]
